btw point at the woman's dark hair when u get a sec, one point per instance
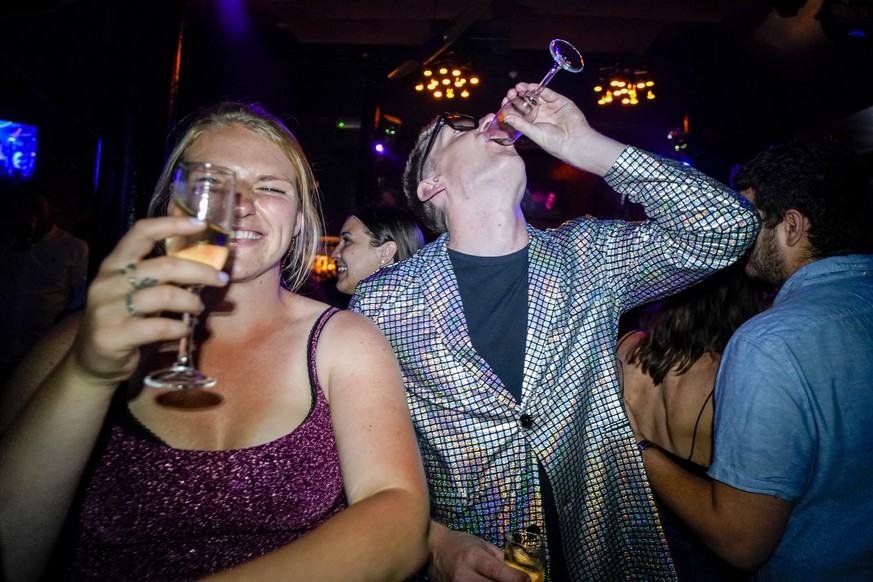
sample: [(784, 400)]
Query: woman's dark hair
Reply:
[(823, 180), (389, 223), (699, 320)]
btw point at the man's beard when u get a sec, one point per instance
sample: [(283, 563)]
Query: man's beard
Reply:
[(765, 262)]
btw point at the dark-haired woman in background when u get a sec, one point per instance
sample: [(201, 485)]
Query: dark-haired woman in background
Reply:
[(370, 238), (667, 369)]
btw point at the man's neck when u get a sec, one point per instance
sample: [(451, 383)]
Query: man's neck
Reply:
[(488, 233), (795, 257)]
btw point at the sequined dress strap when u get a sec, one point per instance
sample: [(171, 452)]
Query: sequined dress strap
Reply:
[(312, 344)]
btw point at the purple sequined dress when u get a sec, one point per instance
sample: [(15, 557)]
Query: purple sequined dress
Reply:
[(152, 512)]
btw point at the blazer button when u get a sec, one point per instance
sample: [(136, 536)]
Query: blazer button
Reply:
[(526, 420)]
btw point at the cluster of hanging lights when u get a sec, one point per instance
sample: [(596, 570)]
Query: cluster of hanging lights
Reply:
[(447, 81), (624, 86)]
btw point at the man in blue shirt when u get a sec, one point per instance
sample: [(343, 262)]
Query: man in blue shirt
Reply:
[(792, 488)]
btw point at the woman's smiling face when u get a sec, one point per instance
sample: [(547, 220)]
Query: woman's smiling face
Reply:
[(356, 258), (267, 214)]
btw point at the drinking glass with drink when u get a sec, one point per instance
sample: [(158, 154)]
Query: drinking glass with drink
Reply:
[(206, 192), (525, 550), (566, 58)]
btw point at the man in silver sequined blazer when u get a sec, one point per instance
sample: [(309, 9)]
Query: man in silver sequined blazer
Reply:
[(506, 337)]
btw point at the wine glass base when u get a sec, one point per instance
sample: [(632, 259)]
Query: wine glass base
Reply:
[(189, 399), (179, 377)]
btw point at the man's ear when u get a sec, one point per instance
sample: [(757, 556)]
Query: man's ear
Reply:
[(428, 188), (796, 227)]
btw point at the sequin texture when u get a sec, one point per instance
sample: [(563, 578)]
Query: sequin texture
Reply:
[(152, 512), (479, 446)]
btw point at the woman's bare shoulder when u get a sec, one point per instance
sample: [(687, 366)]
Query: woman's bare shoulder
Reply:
[(628, 342), (345, 330)]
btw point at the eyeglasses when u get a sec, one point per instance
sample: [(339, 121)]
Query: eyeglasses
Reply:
[(456, 121)]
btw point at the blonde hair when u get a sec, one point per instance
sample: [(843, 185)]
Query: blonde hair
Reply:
[(297, 264)]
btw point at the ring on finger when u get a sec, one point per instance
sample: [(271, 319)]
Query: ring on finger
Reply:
[(128, 302), (126, 272), (142, 283)]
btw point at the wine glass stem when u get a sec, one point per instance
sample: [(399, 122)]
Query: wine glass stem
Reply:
[(535, 92), (184, 358)]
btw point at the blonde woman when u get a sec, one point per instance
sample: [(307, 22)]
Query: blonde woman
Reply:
[(307, 469)]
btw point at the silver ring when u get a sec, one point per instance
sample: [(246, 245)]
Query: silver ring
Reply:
[(125, 272), (146, 282), (128, 302), (137, 285)]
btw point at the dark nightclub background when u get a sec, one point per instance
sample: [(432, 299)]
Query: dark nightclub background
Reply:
[(104, 82)]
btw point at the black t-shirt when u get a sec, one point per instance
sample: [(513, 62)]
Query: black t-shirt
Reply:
[(494, 293)]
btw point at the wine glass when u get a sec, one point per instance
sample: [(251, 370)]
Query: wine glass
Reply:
[(206, 192), (525, 551), (566, 58)]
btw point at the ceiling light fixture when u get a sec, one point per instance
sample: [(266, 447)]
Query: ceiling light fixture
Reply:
[(624, 86), (447, 81)]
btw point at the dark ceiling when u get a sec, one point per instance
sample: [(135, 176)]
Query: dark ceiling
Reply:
[(745, 73)]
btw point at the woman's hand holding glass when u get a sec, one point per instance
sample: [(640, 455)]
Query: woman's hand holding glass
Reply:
[(132, 299)]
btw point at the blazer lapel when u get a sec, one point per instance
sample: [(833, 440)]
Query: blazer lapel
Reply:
[(447, 317), (545, 301)]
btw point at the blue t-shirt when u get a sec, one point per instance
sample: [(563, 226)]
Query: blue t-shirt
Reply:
[(794, 418)]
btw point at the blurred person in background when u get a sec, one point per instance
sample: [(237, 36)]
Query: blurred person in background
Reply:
[(789, 489), (45, 272)]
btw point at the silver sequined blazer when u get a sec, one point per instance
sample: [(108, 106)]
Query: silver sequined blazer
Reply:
[(479, 446)]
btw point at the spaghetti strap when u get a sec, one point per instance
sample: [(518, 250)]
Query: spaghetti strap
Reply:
[(313, 342), (697, 422)]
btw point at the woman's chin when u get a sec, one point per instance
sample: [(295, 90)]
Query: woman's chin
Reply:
[(342, 285)]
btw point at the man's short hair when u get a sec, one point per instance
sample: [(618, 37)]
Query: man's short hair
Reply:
[(823, 180), (416, 166)]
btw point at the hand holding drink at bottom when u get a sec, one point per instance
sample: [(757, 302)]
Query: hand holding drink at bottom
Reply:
[(525, 551)]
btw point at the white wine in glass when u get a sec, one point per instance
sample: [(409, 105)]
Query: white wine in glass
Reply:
[(206, 192), (566, 58), (525, 550)]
